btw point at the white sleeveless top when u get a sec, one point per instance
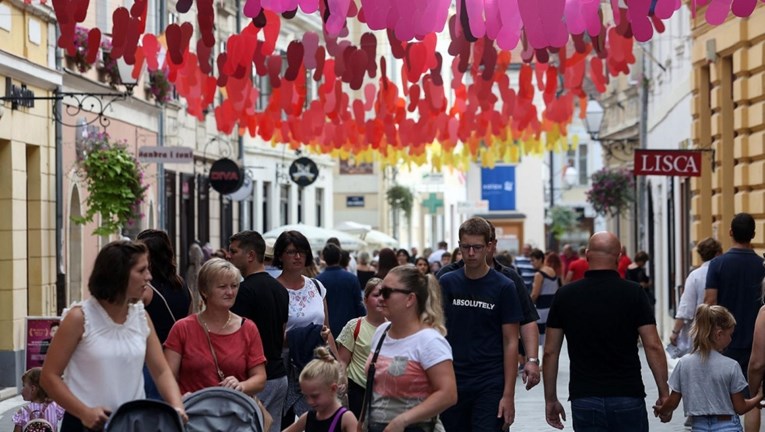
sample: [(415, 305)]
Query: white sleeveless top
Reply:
[(106, 368)]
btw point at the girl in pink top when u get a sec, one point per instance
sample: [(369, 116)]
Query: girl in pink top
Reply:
[(39, 406)]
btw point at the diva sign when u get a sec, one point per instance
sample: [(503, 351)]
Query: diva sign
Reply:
[(683, 163)]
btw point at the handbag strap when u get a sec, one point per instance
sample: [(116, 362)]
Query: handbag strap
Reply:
[(209, 342), (156, 291), (337, 418), (366, 406)]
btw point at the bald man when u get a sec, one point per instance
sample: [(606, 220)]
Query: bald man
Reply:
[(601, 317)]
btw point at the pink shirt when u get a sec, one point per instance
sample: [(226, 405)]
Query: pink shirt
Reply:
[(49, 411), (237, 353)]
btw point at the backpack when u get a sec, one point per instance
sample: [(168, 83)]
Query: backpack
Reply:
[(37, 423)]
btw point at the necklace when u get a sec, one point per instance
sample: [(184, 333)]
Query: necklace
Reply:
[(228, 321)]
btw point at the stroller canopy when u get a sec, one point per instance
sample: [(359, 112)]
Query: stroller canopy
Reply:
[(218, 409), (144, 415)]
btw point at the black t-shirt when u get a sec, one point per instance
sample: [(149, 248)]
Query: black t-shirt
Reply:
[(600, 316), (265, 301), (737, 275), (178, 300), (364, 277), (527, 306)]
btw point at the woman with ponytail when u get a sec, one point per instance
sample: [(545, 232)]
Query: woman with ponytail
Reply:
[(711, 385), (410, 376)]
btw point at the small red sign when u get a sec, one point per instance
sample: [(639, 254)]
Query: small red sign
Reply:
[(683, 163)]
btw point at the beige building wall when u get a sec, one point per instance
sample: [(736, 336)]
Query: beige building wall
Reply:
[(729, 122), (27, 183)]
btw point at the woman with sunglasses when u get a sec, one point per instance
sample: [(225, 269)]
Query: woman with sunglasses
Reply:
[(413, 376), (307, 314), (353, 344)]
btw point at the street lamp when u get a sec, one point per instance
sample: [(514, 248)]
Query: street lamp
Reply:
[(593, 118), (75, 103)]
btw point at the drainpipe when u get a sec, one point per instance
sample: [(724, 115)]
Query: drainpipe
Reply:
[(162, 202), (60, 271), (240, 140), (642, 217)]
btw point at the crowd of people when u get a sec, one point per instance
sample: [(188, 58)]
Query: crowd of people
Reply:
[(402, 341)]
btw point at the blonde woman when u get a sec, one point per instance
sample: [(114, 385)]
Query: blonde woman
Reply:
[(413, 377), (216, 347)]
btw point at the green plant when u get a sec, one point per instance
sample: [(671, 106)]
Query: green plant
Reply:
[(160, 86), (401, 198), (612, 191), (562, 219), (114, 179)]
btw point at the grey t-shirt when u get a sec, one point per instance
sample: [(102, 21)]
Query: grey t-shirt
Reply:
[(706, 384)]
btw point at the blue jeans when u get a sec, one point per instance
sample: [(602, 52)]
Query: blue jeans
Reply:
[(604, 414), (714, 424)]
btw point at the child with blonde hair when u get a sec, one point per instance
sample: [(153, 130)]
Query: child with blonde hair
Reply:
[(320, 381), (40, 413), (711, 385)]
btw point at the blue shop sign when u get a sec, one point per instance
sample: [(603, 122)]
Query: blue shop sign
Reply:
[(498, 187), (354, 201)]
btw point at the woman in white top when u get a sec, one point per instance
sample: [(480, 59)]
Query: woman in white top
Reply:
[(103, 341), (413, 375), (307, 306)]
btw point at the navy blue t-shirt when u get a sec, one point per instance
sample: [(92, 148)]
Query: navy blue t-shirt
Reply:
[(475, 310), (737, 275)]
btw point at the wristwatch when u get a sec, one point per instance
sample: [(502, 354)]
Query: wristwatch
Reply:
[(533, 360)]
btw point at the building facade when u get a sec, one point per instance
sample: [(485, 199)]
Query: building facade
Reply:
[(27, 178), (728, 124)]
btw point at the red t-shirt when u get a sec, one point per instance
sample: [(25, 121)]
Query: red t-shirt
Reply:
[(624, 262), (237, 353), (577, 269)]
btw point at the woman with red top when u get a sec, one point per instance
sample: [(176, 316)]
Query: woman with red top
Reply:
[(216, 347)]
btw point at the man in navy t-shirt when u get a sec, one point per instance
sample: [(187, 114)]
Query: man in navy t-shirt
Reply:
[(482, 319), (734, 280)]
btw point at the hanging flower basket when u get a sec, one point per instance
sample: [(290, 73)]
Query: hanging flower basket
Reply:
[(114, 179), (160, 86), (80, 57), (612, 191)]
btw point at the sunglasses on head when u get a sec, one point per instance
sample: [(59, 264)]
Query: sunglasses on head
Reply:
[(385, 292)]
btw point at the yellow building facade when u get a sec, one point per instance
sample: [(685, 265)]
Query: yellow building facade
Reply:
[(27, 178), (729, 124)]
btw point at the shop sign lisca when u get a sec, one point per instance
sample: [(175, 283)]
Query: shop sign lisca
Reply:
[(683, 163)]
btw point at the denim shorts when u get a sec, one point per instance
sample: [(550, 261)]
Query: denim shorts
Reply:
[(716, 423)]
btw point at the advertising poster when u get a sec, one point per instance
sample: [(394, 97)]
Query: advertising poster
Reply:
[(498, 187), (40, 331)]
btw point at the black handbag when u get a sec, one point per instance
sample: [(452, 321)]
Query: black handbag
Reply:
[(366, 406)]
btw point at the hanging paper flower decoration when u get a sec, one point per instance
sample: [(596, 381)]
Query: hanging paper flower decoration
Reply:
[(359, 109)]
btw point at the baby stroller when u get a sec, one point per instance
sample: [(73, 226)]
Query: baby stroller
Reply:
[(145, 415), (218, 409)]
